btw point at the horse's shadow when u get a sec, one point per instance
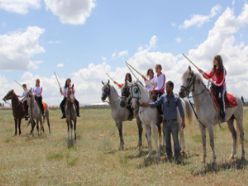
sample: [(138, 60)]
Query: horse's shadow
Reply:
[(237, 164)]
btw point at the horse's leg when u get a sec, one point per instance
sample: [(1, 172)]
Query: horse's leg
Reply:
[(203, 135), (155, 137), (182, 141), (140, 131), (48, 121), (37, 127), (159, 129), (241, 133), (75, 127), (19, 126), (15, 127), (211, 139), (148, 134), (119, 126), (234, 137), (68, 129)]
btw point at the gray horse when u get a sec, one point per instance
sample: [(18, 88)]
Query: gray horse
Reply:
[(208, 115), (35, 114), (119, 114), (71, 116)]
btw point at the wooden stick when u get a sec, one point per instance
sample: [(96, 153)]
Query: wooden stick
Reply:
[(134, 69), (18, 83), (189, 60), (57, 80)]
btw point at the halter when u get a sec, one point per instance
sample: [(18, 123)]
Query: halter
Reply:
[(192, 83), (135, 91)]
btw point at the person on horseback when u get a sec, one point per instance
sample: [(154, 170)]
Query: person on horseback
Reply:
[(218, 82), (159, 80), (125, 91), (24, 99), (37, 91), (149, 80), (64, 93)]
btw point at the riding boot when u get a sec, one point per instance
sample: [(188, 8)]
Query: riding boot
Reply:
[(62, 108)]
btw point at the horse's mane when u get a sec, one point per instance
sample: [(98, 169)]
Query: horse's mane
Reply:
[(112, 88)]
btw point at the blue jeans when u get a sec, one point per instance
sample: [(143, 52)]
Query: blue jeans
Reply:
[(171, 128)]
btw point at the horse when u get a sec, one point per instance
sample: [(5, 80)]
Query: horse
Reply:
[(208, 115), (17, 109), (36, 117), (150, 117), (119, 114), (71, 116)]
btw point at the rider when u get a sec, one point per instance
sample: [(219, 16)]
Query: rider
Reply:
[(128, 78), (24, 99), (218, 79), (159, 80), (125, 90), (65, 94), (149, 80), (37, 91)]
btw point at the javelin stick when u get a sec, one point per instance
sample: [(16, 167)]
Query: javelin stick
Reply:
[(134, 69), (57, 80), (18, 83), (110, 77), (130, 69), (191, 61)]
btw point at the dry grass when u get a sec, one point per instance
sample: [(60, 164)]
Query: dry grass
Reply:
[(94, 160)]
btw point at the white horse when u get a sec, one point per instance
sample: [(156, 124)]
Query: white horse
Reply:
[(207, 114), (149, 116), (119, 114), (35, 114)]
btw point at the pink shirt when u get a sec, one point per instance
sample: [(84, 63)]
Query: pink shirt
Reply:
[(37, 91), (150, 84)]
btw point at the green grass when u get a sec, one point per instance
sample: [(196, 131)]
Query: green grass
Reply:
[(95, 159)]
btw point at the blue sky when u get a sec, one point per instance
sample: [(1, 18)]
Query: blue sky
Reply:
[(111, 26)]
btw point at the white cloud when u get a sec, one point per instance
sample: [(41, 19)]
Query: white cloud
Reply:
[(17, 49), (178, 40), (54, 42), (19, 6), (153, 41), (71, 12), (60, 65), (120, 54), (199, 20)]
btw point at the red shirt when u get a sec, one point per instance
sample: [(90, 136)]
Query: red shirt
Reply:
[(218, 78)]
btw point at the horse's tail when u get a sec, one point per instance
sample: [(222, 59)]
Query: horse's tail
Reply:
[(188, 111)]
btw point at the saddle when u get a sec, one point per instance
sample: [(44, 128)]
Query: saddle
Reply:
[(45, 106), (230, 100)]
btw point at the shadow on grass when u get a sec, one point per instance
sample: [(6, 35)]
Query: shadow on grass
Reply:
[(237, 164)]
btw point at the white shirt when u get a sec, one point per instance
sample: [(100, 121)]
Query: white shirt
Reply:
[(37, 91), (24, 95), (150, 84), (160, 82)]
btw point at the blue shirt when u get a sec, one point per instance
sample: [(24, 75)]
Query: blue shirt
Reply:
[(169, 105)]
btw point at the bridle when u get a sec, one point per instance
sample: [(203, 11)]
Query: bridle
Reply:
[(192, 83)]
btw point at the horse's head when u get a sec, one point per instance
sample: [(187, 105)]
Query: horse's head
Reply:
[(135, 94), (9, 95), (188, 85), (105, 90)]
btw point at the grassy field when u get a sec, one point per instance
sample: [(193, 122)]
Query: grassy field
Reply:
[(95, 160)]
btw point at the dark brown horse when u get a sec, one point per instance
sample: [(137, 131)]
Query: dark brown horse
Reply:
[(17, 108)]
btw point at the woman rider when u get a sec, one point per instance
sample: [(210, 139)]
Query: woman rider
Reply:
[(218, 79), (65, 94)]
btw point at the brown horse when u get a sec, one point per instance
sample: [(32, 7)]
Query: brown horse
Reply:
[(17, 109)]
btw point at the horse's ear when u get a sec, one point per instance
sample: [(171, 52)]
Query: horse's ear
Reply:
[(190, 68), (103, 83), (108, 82)]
